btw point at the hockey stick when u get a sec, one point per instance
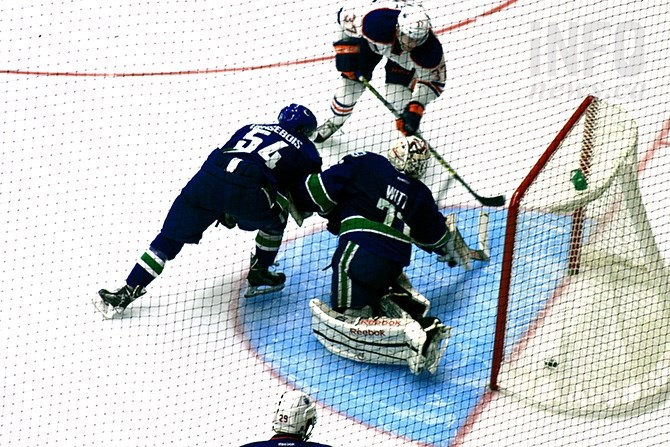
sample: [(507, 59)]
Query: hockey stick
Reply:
[(484, 252), (486, 201)]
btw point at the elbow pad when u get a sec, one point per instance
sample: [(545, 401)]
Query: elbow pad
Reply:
[(347, 57)]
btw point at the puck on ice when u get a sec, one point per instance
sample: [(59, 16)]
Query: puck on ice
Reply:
[(551, 363)]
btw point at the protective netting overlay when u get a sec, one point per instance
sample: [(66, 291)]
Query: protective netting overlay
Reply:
[(601, 347), (108, 109)]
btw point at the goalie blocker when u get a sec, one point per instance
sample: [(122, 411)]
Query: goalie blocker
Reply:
[(405, 335)]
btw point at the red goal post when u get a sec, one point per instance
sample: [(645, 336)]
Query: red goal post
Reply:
[(583, 294)]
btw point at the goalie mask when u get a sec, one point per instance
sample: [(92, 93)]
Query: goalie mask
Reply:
[(296, 414), (298, 119), (413, 27), (410, 155)]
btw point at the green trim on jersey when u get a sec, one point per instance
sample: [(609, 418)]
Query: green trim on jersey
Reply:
[(359, 223), (282, 201), (344, 283), (319, 194), (441, 242)]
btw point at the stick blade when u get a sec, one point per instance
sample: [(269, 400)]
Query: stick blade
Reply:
[(491, 201)]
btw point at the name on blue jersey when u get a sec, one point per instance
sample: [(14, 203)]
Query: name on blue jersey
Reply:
[(398, 198), (282, 133)]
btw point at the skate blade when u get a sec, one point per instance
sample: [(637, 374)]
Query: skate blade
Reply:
[(106, 310), (261, 290)]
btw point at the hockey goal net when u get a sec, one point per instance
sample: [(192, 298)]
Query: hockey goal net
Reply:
[(584, 311)]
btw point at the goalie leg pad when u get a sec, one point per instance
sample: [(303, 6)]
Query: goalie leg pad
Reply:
[(378, 340), (381, 340), (437, 339), (389, 306), (430, 344), (416, 337), (404, 305), (404, 295), (483, 236)]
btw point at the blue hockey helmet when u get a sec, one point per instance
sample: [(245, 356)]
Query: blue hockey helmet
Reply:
[(297, 118)]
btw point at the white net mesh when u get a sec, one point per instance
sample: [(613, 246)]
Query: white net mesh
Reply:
[(599, 345)]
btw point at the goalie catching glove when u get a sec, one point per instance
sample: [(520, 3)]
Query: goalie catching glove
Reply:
[(455, 251), (408, 122)]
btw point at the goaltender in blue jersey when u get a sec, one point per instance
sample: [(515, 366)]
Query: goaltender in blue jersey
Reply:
[(379, 208), (415, 71)]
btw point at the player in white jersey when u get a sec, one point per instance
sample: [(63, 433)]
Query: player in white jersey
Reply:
[(293, 422), (401, 32)]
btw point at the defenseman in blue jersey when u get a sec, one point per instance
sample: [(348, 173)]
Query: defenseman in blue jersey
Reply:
[(245, 183), (415, 70), (293, 422), (379, 208)]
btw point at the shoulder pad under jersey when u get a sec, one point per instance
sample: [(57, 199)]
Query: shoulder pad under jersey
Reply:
[(430, 54), (379, 25)]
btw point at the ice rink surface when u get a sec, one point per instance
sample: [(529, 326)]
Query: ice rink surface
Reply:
[(108, 110)]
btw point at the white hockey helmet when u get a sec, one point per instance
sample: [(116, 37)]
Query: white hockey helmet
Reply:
[(410, 155), (413, 26), (296, 414)]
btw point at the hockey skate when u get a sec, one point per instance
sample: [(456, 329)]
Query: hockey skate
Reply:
[(110, 304), (326, 130), (261, 280), (404, 301)]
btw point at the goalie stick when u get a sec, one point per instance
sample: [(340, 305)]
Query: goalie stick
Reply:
[(486, 201), (483, 252)]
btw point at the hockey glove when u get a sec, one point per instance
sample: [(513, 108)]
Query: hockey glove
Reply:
[(447, 253), (334, 223), (227, 220), (455, 251), (347, 57), (281, 207), (408, 123)]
